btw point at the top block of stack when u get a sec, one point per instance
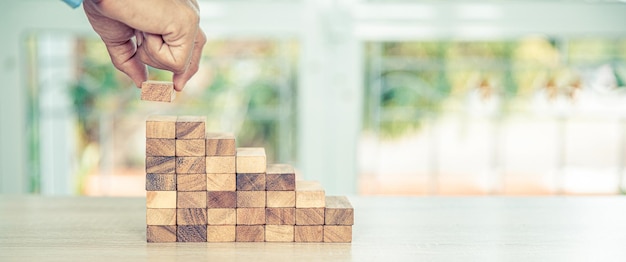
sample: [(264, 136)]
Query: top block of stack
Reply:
[(190, 127), (220, 144), (251, 160)]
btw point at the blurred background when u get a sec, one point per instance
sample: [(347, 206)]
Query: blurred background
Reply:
[(369, 97)]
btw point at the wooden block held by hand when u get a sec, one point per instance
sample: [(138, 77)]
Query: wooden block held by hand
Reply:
[(189, 147), (339, 211), (161, 199), (220, 165), (280, 177), (192, 199), (191, 216), (280, 216), (279, 233), (221, 182), (160, 91), (255, 233), (251, 181), (250, 198), (280, 199), (191, 233), (161, 182), (220, 144), (221, 199), (251, 216), (310, 194), (191, 182), (161, 127), (160, 147), (251, 160), (160, 164), (190, 127), (309, 233), (338, 234), (190, 165), (221, 216), (220, 233), (310, 216), (161, 216), (157, 234)]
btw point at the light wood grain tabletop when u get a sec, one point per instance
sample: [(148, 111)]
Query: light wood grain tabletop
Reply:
[(36, 228)]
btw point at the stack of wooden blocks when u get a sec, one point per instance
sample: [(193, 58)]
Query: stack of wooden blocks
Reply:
[(200, 187)]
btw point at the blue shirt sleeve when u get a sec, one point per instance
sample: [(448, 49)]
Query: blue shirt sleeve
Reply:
[(73, 3)]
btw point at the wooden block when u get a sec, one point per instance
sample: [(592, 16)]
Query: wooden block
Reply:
[(280, 199), (191, 216), (309, 233), (160, 91), (339, 211), (220, 165), (221, 182), (310, 194), (161, 127), (221, 199), (310, 216), (251, 181), (250, 216), (161, 199), (220, 144), (190, 147), (338, 234), (251, 160), (160, 164), (161, 216), (190, 165), (160, 147), (280, 216), (191, 233), (280, 177), (220, 233), (191, 182), (156, 234), (255, 233), (190, 127), (221, 216), (279, 233), (250, 198), (161, 182), (192, 199)]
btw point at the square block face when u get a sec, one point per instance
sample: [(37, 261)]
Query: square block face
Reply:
[(251, 182), (280, 216), (220, 165), (161, 216), (220, 233), (281, 199), (280, 177), (309, 233), (190, 165), (160, 147), (221, 199), (339, 211), (192, 199), (158, 234), (191, 233), (160, 164), (221, 182), (161, 127), (250, 233), (191, 182), (190, 127), (279, 233), (159, 91), (221, 216), (189, 147), (310, 216), (191, 216), (338, 234), (250, 216), (250, 198), (160, 182), (310, 194), (220, 144), (160, 199), (251, 160)]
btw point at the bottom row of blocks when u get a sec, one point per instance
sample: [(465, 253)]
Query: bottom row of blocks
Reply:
[(255, 233)]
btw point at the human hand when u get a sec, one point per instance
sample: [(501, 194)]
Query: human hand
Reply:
[(167, 36)]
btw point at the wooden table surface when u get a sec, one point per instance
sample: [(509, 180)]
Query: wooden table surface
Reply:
[(386, 229)]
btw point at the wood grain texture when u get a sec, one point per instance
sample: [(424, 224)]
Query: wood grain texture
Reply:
[(161, 199), (254, 233), (339, 211), (191, 233), (220, 233), (190, 165), (251, 160), (221, 199), (251, 182), (190, 147), (191, 216), (280, 216), (250, 216), (161, 127), (220, 144), (279, 233), (221, 182), (309, 233), (191, 182), (160, 182), (310, 216), (190, 127), (250, 198), (280, 177), (159, 91), (310, 194), (280, 199), (160, 234), (338, 234), (160, 164), (192, 199), (221, 216), (160, 147), (220, 165), (161, 216)]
